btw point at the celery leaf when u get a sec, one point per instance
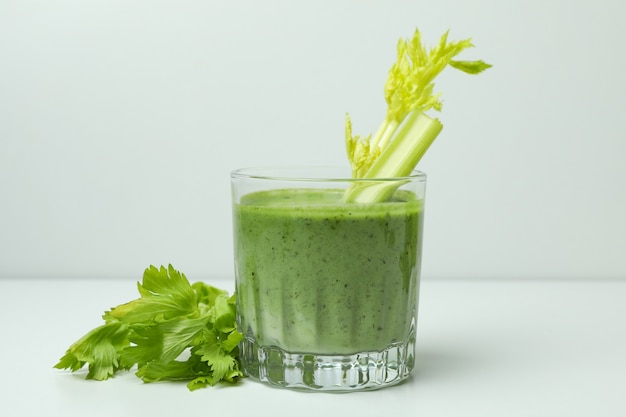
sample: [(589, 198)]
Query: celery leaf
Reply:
[(100, 348), (165, 293)]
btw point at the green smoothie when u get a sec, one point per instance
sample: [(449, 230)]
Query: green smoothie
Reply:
[(320, 276)]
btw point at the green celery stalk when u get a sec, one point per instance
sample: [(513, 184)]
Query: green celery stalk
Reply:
[(398, 159), (407, 131)]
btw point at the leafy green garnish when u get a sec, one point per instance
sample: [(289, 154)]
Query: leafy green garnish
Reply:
[(174, 331), (406, 131)]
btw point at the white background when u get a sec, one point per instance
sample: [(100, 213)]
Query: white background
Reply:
[(121, 120)]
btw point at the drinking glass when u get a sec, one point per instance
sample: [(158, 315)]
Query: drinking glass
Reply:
[(327, 288)]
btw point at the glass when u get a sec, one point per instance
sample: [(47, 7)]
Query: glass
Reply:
[(327, 291)]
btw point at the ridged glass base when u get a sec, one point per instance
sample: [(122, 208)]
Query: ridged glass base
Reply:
[(359, 371)]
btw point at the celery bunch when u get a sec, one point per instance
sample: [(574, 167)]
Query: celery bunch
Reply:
[(175, 331), (406, 131)]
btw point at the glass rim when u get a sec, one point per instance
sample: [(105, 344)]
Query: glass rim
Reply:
[(288, 173)]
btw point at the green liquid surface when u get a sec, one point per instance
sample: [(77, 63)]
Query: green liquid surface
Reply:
[(317, 275)]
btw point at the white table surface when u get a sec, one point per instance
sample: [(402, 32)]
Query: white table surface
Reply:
[(485, 348)]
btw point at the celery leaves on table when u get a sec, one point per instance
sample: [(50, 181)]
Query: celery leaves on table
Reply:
[(174, 331), (406, 131)]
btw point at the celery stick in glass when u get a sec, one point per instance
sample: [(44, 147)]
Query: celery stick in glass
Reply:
[(407, 131)]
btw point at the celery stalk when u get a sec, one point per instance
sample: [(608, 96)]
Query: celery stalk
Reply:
[(406, 131), (398, 159)]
